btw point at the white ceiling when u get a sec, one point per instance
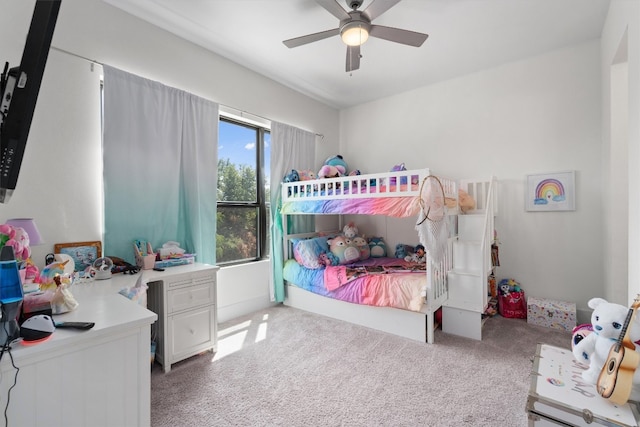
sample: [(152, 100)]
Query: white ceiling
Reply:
[(464, 36)]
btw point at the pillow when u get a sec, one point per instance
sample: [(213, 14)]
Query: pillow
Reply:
[(307, 251)]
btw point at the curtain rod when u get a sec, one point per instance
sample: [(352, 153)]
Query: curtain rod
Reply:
[(93, 61)]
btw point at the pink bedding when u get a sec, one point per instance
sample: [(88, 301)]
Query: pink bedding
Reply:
[(400, 284)]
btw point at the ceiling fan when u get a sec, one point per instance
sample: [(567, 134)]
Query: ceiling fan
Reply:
[(356, 27)]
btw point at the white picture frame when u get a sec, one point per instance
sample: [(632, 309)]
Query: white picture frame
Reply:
[(551, 192)]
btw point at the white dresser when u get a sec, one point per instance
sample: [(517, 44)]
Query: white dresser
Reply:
[(184, 298)]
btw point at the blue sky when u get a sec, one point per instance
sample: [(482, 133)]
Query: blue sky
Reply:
[(238, 143)]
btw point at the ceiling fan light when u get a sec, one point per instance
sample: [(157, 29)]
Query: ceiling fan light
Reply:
[(354, 35)]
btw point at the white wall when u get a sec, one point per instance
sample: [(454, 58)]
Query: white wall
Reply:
[(623, 27), (59, 184), (533, 116)]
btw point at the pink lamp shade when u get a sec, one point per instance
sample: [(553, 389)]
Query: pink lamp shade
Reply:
[(28, 225)]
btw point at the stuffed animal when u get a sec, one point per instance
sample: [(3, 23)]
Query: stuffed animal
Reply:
[(403, 250), (363, 246), (292, 176), (418, 255), (465, 201), (328, 259), (343, 249), (328, 171), (593, 349), (350, 230), (506, 286), (398, 168), (20, 244), (377, 247), (18, 239), (306, 174), (337, 161)]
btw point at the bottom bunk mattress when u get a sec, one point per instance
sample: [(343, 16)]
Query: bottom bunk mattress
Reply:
[(383, 282)]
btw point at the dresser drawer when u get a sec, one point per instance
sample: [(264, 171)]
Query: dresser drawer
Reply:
[(191, 332), (191, 279), (189, 297)]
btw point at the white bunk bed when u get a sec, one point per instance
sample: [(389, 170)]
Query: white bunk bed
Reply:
[(394, 194)]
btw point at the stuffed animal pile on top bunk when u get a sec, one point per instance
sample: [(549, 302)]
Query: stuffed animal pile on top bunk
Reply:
[(336, 166)]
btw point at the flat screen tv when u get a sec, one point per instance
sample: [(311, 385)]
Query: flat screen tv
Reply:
[(19, 87)]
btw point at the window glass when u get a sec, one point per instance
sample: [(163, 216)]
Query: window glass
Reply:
[(243, 192)]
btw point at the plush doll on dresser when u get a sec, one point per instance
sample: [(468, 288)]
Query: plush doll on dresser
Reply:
[(592, 348)]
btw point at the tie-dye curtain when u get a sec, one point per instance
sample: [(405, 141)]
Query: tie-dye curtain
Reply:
[(160, 167), (291, 148)]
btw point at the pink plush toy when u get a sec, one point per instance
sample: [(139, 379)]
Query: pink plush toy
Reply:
[(328, 171), (18, 239), (20, 244), (306, 174)]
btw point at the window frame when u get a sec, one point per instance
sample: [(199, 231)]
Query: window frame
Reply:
[(262, 203)]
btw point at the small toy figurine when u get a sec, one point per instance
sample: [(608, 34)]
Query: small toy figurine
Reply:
[(48, 274)]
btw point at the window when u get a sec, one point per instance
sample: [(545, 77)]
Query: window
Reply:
[(243, 192)]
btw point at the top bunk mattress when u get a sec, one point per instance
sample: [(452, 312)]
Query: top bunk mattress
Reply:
[(393, 194), (400, 207)]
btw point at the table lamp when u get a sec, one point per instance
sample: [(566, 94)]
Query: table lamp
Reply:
[(28, 225)]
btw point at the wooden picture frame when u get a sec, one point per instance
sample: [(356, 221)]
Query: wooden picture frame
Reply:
[(550, 192), (83, 253)]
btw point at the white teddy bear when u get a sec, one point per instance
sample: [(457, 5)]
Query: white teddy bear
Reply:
[(593, 349)]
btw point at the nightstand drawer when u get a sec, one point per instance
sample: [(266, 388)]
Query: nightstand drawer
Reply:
[(191, 332), (188, 297)]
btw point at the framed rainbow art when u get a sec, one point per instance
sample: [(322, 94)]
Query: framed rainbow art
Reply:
[(551, 192)]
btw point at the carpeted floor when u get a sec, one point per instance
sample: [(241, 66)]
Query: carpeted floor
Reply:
[(286, 367)]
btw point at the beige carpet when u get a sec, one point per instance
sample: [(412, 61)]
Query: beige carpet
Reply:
[(286, 367)]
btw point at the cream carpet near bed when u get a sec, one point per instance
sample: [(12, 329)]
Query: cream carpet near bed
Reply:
[(299, 369)]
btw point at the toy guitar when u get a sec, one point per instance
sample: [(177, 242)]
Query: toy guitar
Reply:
[(616, 377)]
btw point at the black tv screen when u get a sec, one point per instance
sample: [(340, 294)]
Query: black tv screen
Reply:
[(19, 87)]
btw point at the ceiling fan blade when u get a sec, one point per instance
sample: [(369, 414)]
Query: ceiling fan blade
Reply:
[(353, 58), (334, 8), (398, 35), (310, 38), (379, 7)]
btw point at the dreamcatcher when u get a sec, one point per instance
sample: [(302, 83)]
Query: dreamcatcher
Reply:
[(432, 226)]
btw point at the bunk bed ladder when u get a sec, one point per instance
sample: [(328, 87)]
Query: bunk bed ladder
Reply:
[(464, 311)]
